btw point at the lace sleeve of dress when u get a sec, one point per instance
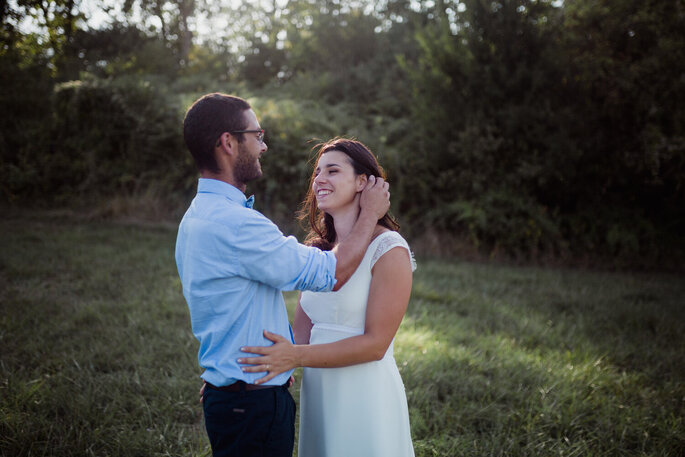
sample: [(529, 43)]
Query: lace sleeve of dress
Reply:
[(391, 240)]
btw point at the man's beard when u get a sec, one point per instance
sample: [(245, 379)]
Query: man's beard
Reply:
[(246, 167)]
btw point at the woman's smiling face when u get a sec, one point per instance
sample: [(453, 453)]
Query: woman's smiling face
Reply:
[(336, 185)]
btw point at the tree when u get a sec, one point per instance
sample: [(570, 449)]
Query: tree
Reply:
[(174, 17), (56, 22), (626, 61)]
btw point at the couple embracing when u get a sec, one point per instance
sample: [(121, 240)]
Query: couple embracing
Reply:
[(354, 273)]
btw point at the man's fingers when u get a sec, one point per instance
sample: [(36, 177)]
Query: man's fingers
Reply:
[(381, 184), (376, 181)]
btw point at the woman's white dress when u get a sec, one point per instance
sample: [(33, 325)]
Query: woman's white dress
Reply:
[(360, 410)]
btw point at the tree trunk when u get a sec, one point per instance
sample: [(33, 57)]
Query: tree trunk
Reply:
[(186, 9)]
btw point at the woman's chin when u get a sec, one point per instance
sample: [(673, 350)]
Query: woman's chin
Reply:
[(327, 209)]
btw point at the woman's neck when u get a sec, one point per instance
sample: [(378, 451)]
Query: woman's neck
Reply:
[(343, 222)]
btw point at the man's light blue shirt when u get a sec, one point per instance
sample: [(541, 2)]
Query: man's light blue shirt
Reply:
[(234, 263)]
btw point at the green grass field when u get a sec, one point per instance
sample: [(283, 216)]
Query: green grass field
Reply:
[(97, 356)]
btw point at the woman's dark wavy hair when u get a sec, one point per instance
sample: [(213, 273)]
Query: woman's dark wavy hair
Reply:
[(321, 229)]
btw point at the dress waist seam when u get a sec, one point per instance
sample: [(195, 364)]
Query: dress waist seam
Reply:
[(339, 328)]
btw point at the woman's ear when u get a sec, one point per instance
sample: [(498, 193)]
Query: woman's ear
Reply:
[(361, 182)]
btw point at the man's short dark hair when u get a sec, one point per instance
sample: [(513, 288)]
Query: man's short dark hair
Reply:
[(206, 120)]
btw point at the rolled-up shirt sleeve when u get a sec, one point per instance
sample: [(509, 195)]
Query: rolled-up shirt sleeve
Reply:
[(264, 254)]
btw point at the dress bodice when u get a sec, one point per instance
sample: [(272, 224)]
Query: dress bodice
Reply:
[(346, 307)]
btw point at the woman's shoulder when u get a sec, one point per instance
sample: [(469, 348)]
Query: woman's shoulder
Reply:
[(386, 240), (386, 235), (380, 230)]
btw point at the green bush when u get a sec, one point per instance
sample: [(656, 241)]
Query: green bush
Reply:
[(502, 221), (23, 120), (115, 136)]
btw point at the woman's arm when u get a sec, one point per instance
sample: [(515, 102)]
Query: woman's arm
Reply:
[(302, 324), (388, 299)]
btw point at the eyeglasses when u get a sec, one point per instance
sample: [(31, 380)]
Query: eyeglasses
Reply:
[(260, 135)]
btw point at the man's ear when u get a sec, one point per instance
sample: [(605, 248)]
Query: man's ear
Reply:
[(361, 182), (227, 143)]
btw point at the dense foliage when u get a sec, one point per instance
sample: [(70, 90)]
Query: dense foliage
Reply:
[(529, 129)]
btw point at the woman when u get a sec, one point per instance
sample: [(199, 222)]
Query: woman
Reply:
[(352, 400)]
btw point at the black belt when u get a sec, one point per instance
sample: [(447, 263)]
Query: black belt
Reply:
[(241, 386)]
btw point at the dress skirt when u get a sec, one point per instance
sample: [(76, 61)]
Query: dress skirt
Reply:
[(358, 411)]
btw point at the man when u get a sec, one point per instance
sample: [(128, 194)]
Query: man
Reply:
[(234, 263)]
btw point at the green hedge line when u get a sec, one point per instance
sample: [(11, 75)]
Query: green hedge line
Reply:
[(98, 140)]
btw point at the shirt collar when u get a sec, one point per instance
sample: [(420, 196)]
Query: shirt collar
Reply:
[(214, 186)]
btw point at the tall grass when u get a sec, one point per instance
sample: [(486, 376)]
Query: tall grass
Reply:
[(524, 361), (97, 356), (97, 353)]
